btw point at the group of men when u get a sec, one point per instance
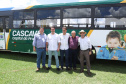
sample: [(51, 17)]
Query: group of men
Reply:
[(66, 44)]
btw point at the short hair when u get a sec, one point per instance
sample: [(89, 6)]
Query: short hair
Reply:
[(113, 34), (41, 28), (52, 27), (64, 28), (73, 31)]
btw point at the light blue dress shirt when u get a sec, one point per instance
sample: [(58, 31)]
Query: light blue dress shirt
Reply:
[(39, 40)]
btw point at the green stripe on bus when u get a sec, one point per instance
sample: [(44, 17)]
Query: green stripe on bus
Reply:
[(78, 3)]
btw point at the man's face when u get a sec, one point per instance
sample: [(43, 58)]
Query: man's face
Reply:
[(73, 33), (41, 30), (52, 30), (82, 34), (64, 30), (113, 42)]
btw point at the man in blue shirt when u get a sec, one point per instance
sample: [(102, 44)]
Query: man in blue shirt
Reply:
[(39, 45)]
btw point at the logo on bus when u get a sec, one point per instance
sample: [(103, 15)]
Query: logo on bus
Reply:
[(23, 34)]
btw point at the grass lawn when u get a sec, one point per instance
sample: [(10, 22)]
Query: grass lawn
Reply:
[(16, 68)]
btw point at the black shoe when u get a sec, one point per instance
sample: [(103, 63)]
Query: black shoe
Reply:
[(48, 68), (89, 73), (67, 69), (70, 68), (81, 71), (44, 67), (74, 68), (61, 68), (58, 69)]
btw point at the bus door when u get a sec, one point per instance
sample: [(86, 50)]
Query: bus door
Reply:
[(4, 21)]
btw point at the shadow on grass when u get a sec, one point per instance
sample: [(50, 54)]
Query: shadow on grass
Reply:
[(109, 66), (99, 65)]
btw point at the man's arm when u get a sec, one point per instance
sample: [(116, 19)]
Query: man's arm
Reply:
[(58, 47), (47, 40), (59, 43), (34, 43), (89, 47), (46, 46)]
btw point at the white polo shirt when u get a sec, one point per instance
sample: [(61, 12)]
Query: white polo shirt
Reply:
[(64, 41), (84, 43), (53, 41)]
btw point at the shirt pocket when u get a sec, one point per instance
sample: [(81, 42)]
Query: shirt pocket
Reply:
[(61, 38), (38, 38), (50, 38)]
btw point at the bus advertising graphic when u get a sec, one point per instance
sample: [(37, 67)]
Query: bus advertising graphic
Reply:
[(115, 48), (1, 36)]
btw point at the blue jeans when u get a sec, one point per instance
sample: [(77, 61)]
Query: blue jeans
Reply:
[(41, 53), (72, 57), (50, 57), (66, 52)]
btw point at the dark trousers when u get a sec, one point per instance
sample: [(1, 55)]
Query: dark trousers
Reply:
[(66, 53), (84, 53), (72, 58)]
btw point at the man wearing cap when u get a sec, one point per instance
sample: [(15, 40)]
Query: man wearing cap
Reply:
[(73, 45), (53, 46), (39, 45), (85, 51)]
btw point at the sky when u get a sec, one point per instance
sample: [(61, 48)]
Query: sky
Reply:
[(26, 3)]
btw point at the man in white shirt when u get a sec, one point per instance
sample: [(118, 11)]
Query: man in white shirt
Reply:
[(64, 47), (53, 45), (85, 51)]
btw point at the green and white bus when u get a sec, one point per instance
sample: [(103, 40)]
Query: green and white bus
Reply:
[(104, 21)]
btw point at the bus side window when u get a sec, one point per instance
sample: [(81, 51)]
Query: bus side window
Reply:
[(23, 19), (77, 17), (1, 25), (110, 17)]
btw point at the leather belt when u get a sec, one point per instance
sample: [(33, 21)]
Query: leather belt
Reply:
[(41, 48)]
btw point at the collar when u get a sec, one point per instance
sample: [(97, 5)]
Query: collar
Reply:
[(52, 34), (40, 34), (84, 37)]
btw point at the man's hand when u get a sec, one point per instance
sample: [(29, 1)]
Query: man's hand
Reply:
[(58, 50), (46, 49), (115, 58), (34, 48), (90, 52)]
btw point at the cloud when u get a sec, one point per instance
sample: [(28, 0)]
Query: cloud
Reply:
[(74, 12), (120, 12), (87, 0), (17, 3), (110, 11)]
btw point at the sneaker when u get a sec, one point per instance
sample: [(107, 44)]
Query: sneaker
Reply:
[(58, 69), (48, 68)]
